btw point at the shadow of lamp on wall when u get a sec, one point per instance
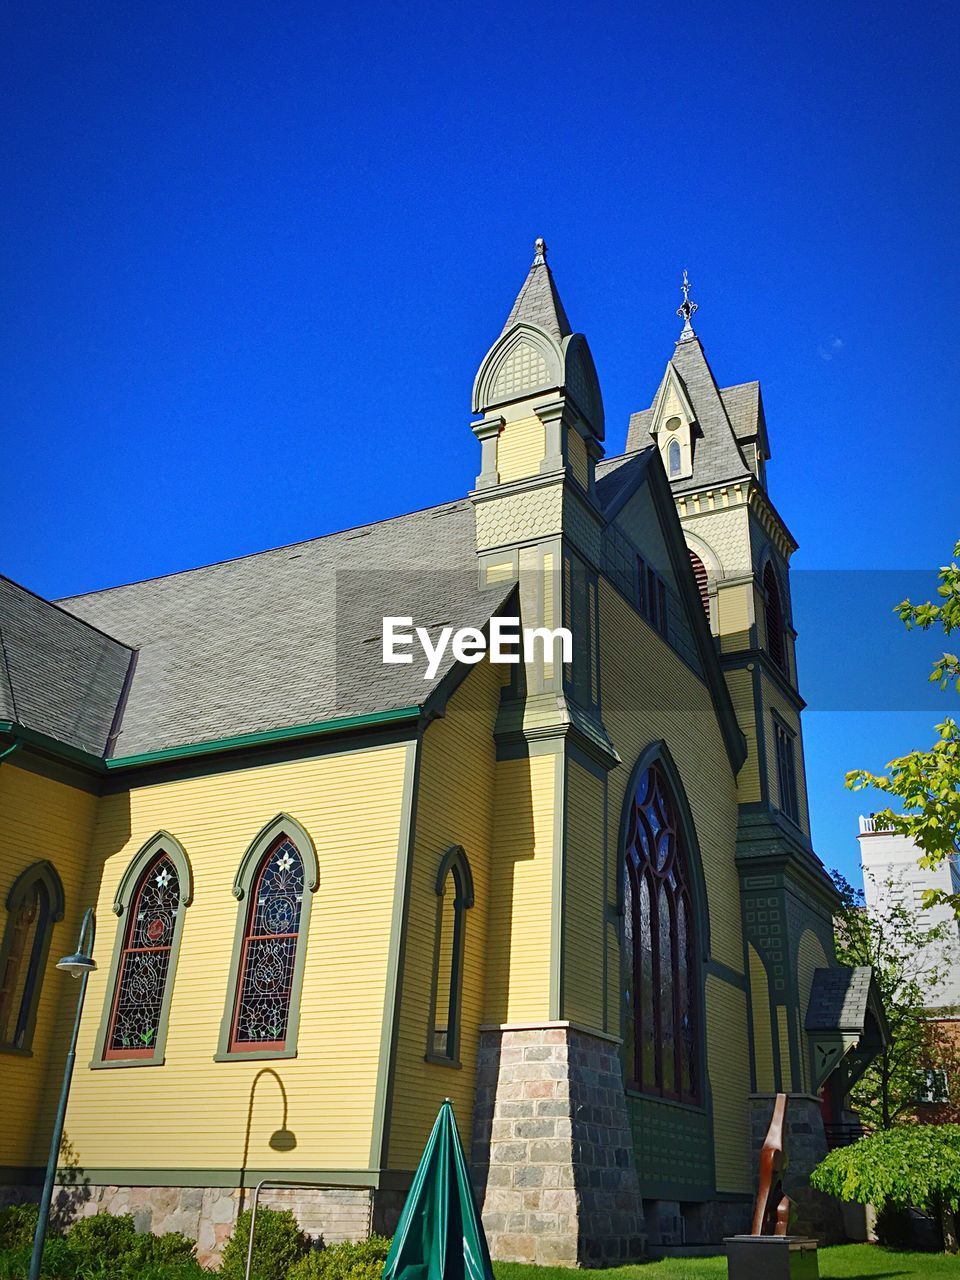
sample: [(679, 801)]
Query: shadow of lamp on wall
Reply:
[(283, 1138)]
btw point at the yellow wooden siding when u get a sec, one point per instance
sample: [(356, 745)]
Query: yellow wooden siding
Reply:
[(775, 700), (41, 820), (810, 957), (520, 449), (734, 616), (740, 684), (520, 928), (134, 1117), (727, 1064), (783, 1033), (584, 924), (659, 697), (454, 807), (577, 454), (762, 1028)]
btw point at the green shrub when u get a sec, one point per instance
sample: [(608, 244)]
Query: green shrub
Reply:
[(102, 1242), (18, 1222), (361, 1261), (58, 1262), (278, 1243), (171, 1249)]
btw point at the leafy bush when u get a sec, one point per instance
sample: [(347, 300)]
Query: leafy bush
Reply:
[(912, 1165), (105, 1240), (111, 1247), (18, 1222), (58, 1262), (361, 1261), (278, 1243)]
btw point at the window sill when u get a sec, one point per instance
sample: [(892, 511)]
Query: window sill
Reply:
[(108, 1064), (697, 1107), (16, 1051), (439, 1061), (255, 1055)]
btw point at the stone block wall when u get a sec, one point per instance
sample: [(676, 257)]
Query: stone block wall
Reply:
[(209, 1214), (552, 1149)]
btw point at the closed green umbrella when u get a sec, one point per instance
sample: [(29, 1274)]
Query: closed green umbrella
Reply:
[(440, 1236)]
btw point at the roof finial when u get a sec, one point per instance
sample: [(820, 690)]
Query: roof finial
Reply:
[(686, 310), (539, 252)]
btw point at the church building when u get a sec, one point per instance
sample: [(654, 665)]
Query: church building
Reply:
[(575, 894)]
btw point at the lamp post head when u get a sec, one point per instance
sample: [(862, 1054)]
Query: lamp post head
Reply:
[(77, 965)]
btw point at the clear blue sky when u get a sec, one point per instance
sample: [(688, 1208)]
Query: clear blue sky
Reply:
[(251, 251)]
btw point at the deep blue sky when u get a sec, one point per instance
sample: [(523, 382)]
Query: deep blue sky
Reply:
[(251, 252)]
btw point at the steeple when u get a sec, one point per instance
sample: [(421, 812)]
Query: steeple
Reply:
[(538, 301), (685, 311)]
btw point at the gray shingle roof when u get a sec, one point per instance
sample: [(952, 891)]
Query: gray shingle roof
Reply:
[(290, 636), (58, 675), (538, 302), (614, 474), (716, 453), (838, 999)]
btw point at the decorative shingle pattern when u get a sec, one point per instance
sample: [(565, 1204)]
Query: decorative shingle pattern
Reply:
[(838, 999), (538, 302), (58, 676), (290, 636)]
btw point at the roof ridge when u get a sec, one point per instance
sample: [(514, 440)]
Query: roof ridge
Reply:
[(249, 555), (67, 613)]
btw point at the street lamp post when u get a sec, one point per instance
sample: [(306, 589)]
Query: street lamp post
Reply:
[(81, 964)]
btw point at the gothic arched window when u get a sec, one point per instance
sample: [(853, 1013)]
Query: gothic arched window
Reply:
[(455, 897), (773, 617), (673, 455), (662, 1018), (144, 968), (34, 903)]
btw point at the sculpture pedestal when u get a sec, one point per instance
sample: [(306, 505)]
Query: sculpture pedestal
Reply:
[(771, 1258)]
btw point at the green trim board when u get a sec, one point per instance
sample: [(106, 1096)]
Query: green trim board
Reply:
[(247, 871), (25, 1013), (390, 1023), (212, 746), (123, 899), (378, 1179)]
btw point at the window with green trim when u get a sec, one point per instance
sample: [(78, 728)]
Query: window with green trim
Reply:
[(34, 903), (454, 897)]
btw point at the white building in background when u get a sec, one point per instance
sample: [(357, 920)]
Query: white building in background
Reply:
[(891, 865)]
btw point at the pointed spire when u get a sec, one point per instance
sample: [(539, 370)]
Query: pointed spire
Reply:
[(685, 311), (538, 301)]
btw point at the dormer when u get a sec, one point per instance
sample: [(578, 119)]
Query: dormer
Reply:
[(674, 426)]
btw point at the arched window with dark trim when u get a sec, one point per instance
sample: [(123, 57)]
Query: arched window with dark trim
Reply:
[(34, 903), (144, 968), (700, 573), (454, 898), (269, 950), (773, 617), (661, 1041), (673, 458)]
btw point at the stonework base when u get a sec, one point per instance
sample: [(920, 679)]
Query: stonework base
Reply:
[(209, 1214), (552, 1149), (805, 1145)]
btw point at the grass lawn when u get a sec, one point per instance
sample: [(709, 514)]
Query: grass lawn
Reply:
[(842, 1262)]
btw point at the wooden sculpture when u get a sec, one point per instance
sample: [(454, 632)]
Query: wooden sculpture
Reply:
[(771, 1211)]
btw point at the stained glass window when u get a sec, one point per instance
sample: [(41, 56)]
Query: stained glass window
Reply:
[(269, 950), (23, 960), (660, 990), (773, 617), (144, 967)]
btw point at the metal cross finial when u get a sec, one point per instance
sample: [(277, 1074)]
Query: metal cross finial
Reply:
[(686, 308), (539, 251)]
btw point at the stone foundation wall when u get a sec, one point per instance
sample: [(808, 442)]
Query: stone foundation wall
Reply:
[(209, 1214), (805, 1145), (552, 1149)]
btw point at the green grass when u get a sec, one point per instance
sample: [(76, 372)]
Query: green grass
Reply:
[(842, 1262)]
